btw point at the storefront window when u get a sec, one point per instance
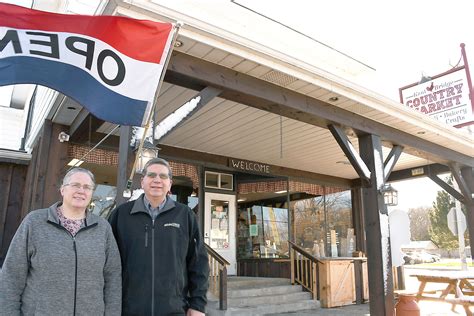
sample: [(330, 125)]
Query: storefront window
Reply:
[(309, 228), (341, 240), (322, 225), (262, 232)]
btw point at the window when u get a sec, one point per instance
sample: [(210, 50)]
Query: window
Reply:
[(217, 180), (262, 232), (323, 224)]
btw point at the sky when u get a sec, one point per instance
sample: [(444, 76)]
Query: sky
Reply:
[(402, 40)]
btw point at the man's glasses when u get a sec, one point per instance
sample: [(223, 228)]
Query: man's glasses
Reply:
[(77, 186), (153, 175)]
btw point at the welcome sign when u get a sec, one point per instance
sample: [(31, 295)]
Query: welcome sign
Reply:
[(444, 98)]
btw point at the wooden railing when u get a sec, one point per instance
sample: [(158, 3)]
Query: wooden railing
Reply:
[(304, 269), (217, 276)]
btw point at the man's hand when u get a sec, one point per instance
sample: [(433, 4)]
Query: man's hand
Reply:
[(193, 312)]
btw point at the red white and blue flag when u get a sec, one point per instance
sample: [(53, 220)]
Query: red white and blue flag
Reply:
[(110, 65)]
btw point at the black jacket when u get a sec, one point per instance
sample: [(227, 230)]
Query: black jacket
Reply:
[(164, 263)]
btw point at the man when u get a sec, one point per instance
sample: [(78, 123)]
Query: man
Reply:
[(164, 262)]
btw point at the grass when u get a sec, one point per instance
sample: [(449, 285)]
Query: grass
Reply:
[(444, 264)]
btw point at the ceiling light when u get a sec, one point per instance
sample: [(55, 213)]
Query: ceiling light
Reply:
[(75, 162), (333, 99), (280, 192), (343, 162)]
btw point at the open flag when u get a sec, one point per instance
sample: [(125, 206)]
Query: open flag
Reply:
[(110, 65)]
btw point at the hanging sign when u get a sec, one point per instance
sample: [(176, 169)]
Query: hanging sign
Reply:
[(445, 98)]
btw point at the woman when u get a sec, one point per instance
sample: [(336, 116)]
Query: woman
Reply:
[(63, 260)]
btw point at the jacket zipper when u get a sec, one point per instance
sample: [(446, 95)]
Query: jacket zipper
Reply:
[(153, 267), (75, 271), (75, 258), (146, 236)]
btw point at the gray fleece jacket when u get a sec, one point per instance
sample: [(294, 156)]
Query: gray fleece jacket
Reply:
[(47, 271)]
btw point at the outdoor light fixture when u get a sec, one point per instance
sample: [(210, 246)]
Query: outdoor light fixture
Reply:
[(75, 162), (149, 151), (390, 195)]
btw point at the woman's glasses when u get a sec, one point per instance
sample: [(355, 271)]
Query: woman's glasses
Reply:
[(77, 186)]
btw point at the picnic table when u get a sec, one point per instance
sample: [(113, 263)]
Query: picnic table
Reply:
[(454, 282)]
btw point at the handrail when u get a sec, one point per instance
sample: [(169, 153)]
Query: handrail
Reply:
[(217, 276), (304, 269), (304, 252), (215, 255)]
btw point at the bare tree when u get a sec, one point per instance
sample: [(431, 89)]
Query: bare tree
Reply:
[(420, 223)]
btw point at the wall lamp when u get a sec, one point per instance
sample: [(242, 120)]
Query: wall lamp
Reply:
[(149, 151), (390, 195)]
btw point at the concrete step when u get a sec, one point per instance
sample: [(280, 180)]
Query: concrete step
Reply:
[(270, 290), (261, 296), (269, 299), (268, 309), (251, 282)]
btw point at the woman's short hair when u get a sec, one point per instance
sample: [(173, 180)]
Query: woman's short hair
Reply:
[(157, 161), (77, 170)]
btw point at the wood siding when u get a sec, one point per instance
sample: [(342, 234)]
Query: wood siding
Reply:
[(12, 184), (268, 268)]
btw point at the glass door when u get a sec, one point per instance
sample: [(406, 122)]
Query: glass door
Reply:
[(219, 226)]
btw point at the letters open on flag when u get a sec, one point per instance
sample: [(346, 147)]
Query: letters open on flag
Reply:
[(110, 65)]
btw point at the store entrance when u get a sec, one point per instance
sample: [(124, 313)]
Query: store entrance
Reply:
[(219, 226)]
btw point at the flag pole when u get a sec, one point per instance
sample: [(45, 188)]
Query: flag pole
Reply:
[(152, 110)]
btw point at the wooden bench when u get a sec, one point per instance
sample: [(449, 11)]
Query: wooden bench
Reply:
[(465, 301), (456, 282)]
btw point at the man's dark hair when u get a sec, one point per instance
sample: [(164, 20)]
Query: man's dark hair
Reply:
[(157, 161)]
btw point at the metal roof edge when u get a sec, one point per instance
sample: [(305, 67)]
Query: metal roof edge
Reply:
[(14, 156)]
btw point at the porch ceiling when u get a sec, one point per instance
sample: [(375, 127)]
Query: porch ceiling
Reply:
[(235, 130)]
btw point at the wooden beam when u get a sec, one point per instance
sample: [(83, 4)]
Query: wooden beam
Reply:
[(85, 126), (417, 172), (272, 98), (351, 154), (221, 162), (41, 166), (80, 119), (391, 160), (458, 177), (447, 187), (377, 230)]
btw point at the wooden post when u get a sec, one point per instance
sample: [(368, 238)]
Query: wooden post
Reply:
[(292, 265), (298, 276), (223, 288), (468, 175), (124, 163), (377, 229), (314, 287)]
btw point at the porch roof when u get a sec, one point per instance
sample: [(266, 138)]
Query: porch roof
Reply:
[(250, 125)]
